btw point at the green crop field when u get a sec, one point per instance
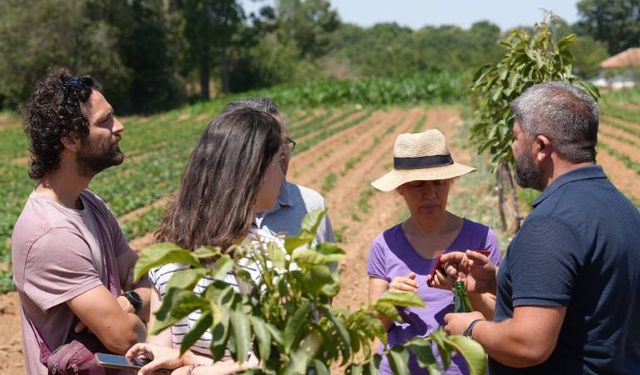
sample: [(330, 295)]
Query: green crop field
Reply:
[(323, 118)]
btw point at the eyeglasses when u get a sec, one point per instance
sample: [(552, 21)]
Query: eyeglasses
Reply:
[(290, 144)]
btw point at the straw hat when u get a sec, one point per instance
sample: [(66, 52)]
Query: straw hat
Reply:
[(420, 157)]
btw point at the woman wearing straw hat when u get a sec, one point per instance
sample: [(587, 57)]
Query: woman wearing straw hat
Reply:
[(402, 256)]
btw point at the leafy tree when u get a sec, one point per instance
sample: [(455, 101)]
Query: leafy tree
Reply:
[(145, 46), (588, 53), (529, 59), (616, 22), (286, 318), (309, 23), (36, 35), (209, 26)]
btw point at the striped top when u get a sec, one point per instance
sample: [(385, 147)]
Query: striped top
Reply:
[(160, 277)]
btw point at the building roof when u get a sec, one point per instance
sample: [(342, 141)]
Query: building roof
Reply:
[(624, 59)]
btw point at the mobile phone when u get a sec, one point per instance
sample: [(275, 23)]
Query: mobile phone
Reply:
[(438, 265), (119, 361)]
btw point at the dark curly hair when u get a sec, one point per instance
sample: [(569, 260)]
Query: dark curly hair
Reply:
[(53, 112)]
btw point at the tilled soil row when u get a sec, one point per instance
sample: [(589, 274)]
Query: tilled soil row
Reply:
[(623, 178), (324, 156), (609, 129), (343, 197), (633, 152), (332, 124)]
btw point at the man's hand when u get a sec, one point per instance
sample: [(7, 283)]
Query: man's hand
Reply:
[(457, 323), (404, 284), (476, 269)]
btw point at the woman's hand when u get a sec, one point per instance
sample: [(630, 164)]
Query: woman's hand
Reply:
[(404, 284), (160, 357)]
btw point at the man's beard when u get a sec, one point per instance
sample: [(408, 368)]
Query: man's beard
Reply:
[(527, 174), (94, 158)]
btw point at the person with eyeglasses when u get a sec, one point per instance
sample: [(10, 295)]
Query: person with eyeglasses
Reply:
[(294, 201)]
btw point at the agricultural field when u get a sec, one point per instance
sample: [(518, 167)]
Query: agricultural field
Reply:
[(341, 149)]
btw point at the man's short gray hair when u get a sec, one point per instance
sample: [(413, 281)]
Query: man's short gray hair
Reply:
[(565, 114), (261, 104)]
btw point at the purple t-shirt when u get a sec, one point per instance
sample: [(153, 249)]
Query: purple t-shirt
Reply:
[(392, 255)]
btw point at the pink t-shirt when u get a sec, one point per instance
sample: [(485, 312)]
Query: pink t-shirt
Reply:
[(58, 254)]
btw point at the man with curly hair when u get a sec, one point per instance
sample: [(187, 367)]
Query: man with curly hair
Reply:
[(71, 263)]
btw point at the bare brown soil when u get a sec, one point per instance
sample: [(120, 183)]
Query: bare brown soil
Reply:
[(623, 178), (331, 125), (618, 132), (632, 151)]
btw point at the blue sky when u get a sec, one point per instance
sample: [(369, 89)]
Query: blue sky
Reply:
[(418, 13)]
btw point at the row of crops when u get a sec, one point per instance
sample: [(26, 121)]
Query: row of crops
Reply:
[(620, 116), (157, 147)]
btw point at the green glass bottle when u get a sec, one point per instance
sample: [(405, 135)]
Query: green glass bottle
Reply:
[(461, 300)]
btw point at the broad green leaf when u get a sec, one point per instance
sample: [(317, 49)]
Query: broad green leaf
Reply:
[(163, 253), (276, 255), (567, 40), (354, 369), (176, 305), (312, 221), (301, 358), (199, 328), (207, 252), (276, 334), (219, 332), (294, 328), (440, 338), (305, 257), (241, 329), (401, 299), (328, 248), (262, 335), (292, 243), (321, 368), (423, 350), (472, 352), (221, 267), (186, 279), (345, 348), (388, 310), (316, 278), (399, 360)]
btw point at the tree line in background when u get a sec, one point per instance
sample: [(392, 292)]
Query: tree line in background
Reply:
[(157, 54)]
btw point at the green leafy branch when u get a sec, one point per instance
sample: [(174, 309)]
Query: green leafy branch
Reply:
[(285, 318), (530, 58)]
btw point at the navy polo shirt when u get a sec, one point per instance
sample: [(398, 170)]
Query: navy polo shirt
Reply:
[(580, 249)]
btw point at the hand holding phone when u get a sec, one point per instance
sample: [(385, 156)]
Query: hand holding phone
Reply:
[(119, 361)]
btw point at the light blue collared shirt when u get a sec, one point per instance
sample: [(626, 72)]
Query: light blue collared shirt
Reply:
[(293, 203)]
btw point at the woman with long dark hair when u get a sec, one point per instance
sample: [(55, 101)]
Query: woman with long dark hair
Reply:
[(229, 178), (233, 173)]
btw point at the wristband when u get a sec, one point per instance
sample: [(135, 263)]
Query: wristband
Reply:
[(469, 331)]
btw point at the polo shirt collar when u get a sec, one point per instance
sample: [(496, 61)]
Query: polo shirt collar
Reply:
[(584, 173), (284, 199)]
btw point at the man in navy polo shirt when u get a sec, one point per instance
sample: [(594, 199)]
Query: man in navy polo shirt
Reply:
[(568, 291)]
